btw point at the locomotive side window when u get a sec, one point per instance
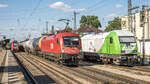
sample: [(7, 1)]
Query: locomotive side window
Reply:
[(111, 40), (57, 41)]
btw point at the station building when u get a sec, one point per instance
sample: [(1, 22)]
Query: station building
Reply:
[(138, 30)]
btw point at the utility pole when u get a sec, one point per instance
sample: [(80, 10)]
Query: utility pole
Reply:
[(67, 23), (134, 25), (47, 27), (129, 14), (104, 22), (52, 31), (130, 8), (143, 21), (75, 15)]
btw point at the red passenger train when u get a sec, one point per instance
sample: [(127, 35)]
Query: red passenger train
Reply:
[(63, 48), (14, 46)]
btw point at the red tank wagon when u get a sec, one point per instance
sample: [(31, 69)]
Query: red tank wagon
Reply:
[(63, 47)]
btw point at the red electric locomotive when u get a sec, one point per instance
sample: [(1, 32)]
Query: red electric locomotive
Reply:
[(63, 48), (14, 46)]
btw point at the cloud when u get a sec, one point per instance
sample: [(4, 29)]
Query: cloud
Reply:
[(3, 5), (62, 6), (119, 5), (111, 15)]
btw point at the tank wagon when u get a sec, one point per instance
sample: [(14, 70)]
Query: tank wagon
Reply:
[(14, 46), (63, 48), (118, 47), (28, 46)]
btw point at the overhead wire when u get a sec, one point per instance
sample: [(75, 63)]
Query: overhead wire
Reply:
[(95, 5), (32, 12)]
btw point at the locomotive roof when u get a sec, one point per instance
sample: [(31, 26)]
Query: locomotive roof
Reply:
[(123, 33), (104, 34), (62, 34), (95, 36)]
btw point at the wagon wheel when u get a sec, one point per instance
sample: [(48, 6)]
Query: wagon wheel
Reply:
[(116, 62)]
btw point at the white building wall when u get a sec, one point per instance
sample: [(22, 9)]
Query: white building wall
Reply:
[(138, 28), (147, 47), (124, 22), (136, 24)]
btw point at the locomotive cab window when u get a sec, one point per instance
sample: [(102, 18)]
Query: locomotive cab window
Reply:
[(127, 39), (70, 41), (111, 40)]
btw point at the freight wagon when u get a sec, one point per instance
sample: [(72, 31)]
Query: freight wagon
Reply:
[(118, 47)]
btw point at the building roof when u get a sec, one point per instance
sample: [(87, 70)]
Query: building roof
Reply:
[(88, 29)]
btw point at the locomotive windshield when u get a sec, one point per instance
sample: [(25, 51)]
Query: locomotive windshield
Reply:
[(70, 41), (127, 39)]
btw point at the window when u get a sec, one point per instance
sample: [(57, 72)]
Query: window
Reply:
[(127, 39), (70, 41), (111, 40)]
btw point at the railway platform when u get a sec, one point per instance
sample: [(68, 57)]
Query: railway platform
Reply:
[(10, 70)]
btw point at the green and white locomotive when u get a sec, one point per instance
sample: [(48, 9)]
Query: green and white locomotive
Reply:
[(118, 47)]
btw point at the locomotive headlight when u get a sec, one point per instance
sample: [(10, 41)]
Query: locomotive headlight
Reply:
[(62, 50)]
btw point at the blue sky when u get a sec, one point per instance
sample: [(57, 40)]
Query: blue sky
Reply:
[(19, 18)]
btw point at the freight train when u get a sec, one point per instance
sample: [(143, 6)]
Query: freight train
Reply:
[(14, 46), (118, 47), (63, 48)]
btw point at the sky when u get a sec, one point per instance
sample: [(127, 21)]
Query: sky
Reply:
[(21, 18)]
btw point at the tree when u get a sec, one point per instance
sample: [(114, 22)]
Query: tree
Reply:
[(90, 21), (68, 29), (115, 24)]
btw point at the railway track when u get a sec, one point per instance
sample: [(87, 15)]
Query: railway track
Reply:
[(82, 74), (145, 69), (78, 75), (28, 76), (136, 68), (73, 75), (122, 78), (54, 73), (2, 66), (39, 75)]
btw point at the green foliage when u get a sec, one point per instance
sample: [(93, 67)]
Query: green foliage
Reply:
[(90, 21), (68, 29), (115, 24)]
